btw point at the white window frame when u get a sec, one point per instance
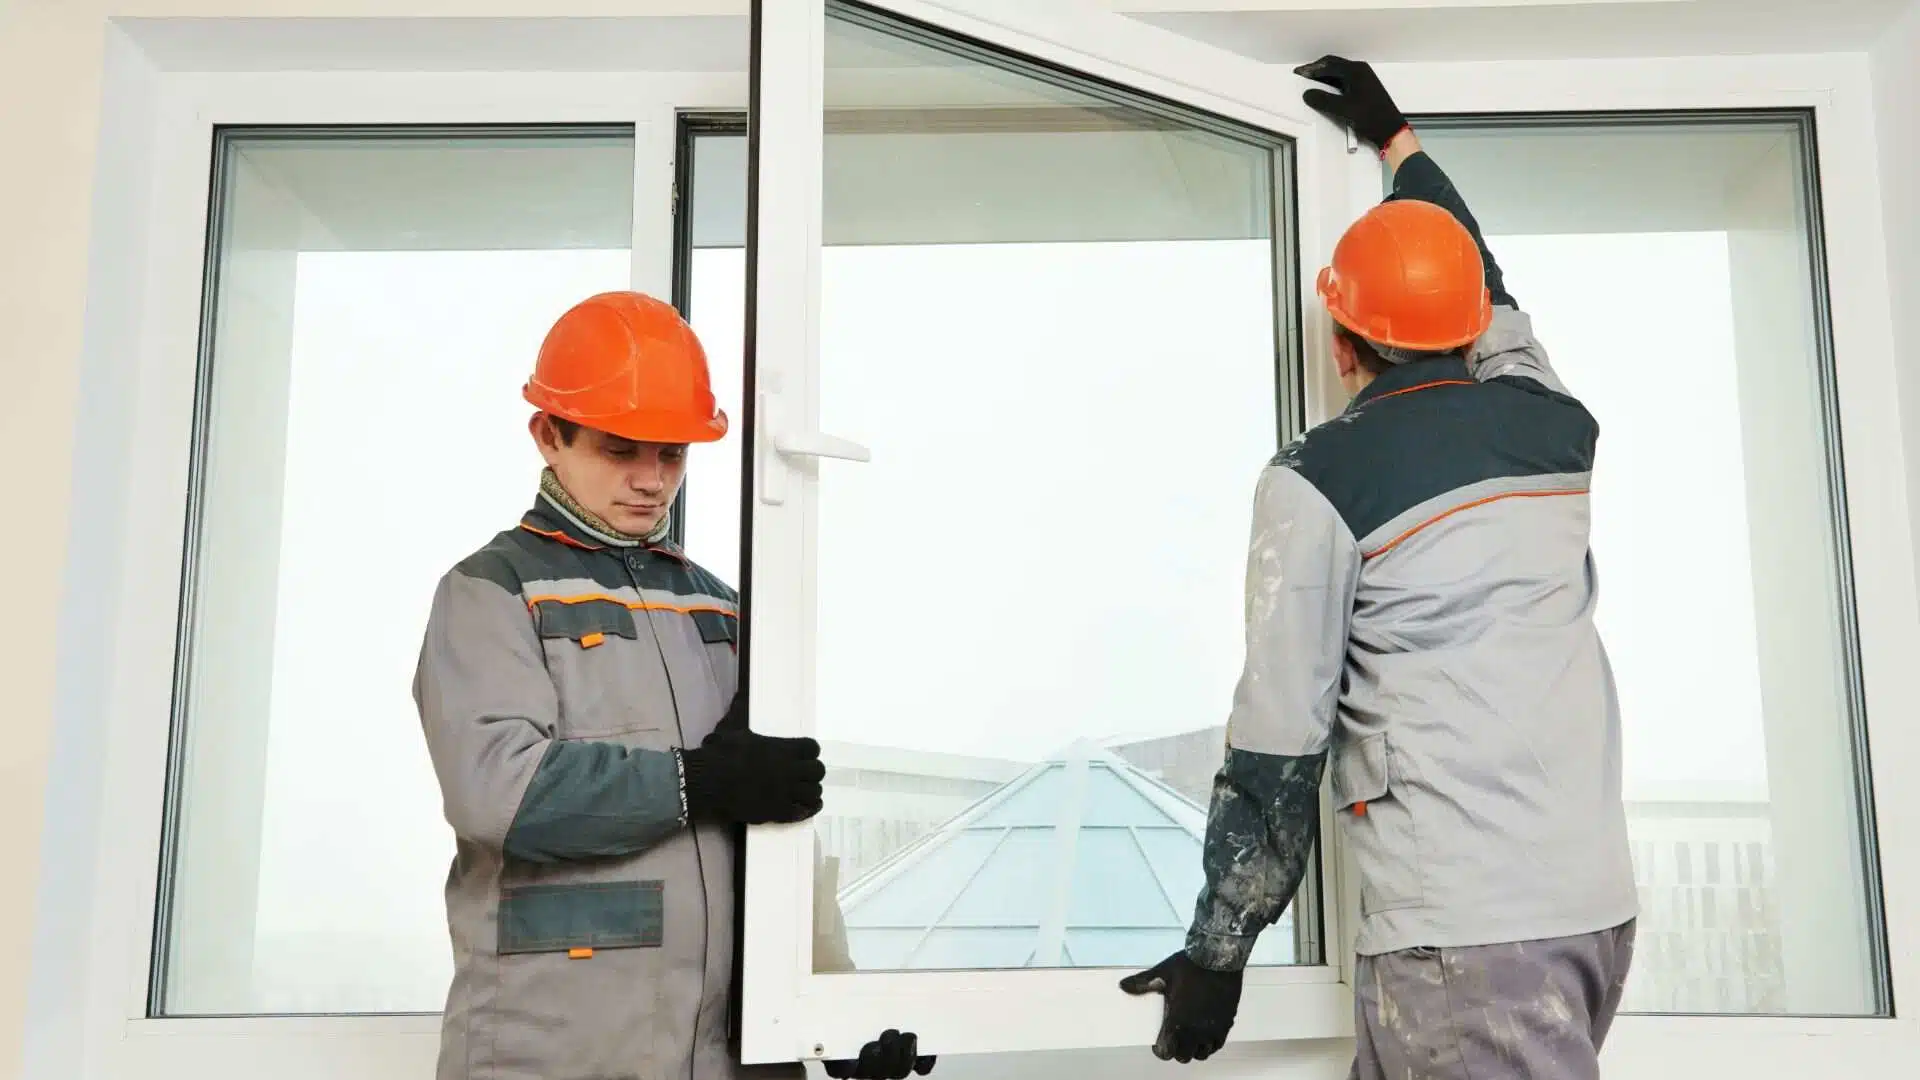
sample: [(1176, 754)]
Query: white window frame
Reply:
[(789, 1011), (119, 1039), (155, 306)]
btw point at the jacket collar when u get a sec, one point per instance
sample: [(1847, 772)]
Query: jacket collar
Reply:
[(552, 521), (1418, 375), (545, 519)]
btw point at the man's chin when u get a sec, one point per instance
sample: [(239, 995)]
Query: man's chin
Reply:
[(635, 524)]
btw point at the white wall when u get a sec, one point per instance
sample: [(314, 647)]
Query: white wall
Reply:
[(1896, 102)]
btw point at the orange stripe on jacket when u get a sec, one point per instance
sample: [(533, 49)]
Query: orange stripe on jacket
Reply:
[(1424, 386), (1444, 514), (555, 534), (630, 605)]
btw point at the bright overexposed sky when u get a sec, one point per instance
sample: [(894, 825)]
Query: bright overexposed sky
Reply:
[(406, 450), (1031, 557), (1641, 329)]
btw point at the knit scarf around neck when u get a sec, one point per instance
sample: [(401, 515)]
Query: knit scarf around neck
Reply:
[(593, 524)]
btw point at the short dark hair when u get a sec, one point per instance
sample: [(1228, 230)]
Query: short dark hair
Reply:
[(1370, 359), (1364, 353), (566, 429)]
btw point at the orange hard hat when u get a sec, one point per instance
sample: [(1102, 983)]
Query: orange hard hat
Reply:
[(627, 364), (1408, 276)]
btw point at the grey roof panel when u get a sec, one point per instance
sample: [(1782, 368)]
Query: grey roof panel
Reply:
[(1083, 861)]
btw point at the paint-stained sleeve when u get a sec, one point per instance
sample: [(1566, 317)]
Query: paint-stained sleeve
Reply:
[(1303, 566), (489, 711), (1509, 350)]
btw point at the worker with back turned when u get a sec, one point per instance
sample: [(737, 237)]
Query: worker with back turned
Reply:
[(1419, 629)]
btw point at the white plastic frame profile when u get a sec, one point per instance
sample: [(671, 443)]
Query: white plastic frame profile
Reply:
[(789, 1011), (162, 292)]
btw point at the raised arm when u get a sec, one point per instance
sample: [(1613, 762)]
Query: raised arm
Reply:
[(1508, 349), (1417, 176)]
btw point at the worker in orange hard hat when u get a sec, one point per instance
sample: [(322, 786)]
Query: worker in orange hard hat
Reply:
[(579, 690), (1420, 599)]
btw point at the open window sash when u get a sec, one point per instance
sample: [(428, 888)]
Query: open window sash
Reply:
[(789, 1011)]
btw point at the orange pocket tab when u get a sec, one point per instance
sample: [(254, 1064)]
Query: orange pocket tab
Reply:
[(588, 641), (579, 954)]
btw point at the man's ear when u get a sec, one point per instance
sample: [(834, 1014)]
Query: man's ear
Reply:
[(545, 437), (1345, 360)]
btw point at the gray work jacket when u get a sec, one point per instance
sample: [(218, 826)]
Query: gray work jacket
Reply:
[(1420, 597), (593, 930)]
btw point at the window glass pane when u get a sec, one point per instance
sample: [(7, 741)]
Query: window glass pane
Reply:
[(715, 305), (1669, 272), (1048, 308), (379, 300)]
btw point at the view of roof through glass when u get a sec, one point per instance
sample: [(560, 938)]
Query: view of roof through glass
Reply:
[(1082, 861)]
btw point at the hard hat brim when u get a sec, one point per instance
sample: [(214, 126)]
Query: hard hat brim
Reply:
[(1329, 290), (646, 426)]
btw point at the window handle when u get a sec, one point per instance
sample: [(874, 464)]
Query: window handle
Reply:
[(783, 449), (818, 444)]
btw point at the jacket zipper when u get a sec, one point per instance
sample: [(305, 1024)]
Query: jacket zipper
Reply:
[(699, 860)]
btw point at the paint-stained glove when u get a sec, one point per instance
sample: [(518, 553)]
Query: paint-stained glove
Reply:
[(1362, 105), (741, 776), (893, 1056), (1201, 1004)]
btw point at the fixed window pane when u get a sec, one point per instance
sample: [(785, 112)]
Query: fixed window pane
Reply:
[(1672, 271), (377, 299), (715, 276), (1048, 307)]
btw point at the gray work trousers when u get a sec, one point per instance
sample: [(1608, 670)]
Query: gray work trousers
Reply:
[(1530, 1010)]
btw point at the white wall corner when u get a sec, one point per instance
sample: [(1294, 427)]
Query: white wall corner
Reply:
[(1896, 106), (90, 586)]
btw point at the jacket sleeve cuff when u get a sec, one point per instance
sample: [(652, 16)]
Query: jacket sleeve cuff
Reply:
[(680, 775), (1220, 952)]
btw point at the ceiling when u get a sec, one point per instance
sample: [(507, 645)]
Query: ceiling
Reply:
[(711, 35), (1408, 30)]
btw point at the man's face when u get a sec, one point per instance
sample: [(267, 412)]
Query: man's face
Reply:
[(629, 485)]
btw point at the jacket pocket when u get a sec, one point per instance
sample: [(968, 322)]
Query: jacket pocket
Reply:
[(600, 668), (586, 623), (720, 643), (1378, 825), (716, 627), (596, 915)]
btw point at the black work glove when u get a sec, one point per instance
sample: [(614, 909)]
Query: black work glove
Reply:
[(1362, 105), (1201, 1004), (743, 777), (893, 1056)]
